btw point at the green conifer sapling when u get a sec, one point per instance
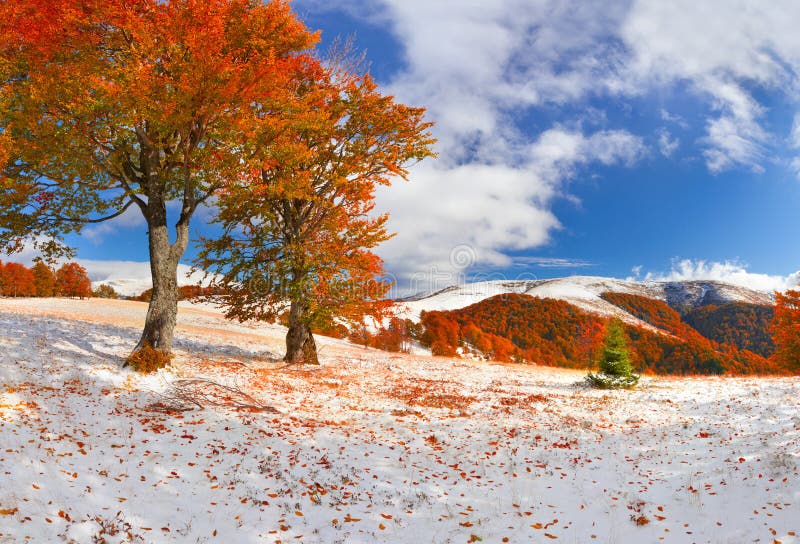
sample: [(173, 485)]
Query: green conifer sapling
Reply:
[(616, 370)]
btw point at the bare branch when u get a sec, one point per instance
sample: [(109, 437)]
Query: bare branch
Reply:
[(98, 220)]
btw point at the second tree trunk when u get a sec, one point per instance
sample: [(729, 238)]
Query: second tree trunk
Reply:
[(300, 345)]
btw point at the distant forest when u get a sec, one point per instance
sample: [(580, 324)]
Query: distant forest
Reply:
[(729, 339)]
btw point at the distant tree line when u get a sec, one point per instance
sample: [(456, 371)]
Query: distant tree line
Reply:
[(40, 280)]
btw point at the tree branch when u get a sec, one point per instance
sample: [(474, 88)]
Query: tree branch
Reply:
[(99, 220)]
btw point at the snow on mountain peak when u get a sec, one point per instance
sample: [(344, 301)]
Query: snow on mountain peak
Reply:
[(585, 292)]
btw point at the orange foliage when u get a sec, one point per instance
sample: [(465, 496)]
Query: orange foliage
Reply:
[(72, 281), (746, 326), (786, 330), (114, 105), (16, 280), (147, 359), (300, 227), (44, 280), (397, 336), (185, 292), (689, 352), (555, 333), (656, 312)]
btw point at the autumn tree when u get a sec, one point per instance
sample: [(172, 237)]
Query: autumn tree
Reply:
[(786, 330), (299, 230), (590, 340), (44, 280), (73, 281), (108, 106), (105, 291), (17, 280)]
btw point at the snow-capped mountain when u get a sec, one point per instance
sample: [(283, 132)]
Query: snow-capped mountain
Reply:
[(584, 292)]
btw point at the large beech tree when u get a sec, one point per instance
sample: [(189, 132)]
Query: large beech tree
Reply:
[(143, 105), (299, 227)]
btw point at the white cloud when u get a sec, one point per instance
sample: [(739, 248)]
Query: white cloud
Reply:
[(732, 272), (551, 262), (667, 144), (476, 66), (673, 118), (491, 207), (481, 68), (718, 48), (794, 137), (26, 256), (794, 143)]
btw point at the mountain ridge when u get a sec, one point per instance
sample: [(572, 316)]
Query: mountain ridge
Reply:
[(585, 292)]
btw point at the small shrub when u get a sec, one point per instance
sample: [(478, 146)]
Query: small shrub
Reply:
[(104, 291), (147, 359), (615, 362)]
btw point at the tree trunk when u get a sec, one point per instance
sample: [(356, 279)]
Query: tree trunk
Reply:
[(153, 175), (162, 312), (300, 345)]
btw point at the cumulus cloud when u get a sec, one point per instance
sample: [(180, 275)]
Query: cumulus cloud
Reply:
[(719, 49), (732, 272), (482, 69), (476, 66), (26, 256), (491, 207)]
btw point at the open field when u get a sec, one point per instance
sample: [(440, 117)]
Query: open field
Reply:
[(230, 445)]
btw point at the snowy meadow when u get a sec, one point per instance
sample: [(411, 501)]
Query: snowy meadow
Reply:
[(230, 444)]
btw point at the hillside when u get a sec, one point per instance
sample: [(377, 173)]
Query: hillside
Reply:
[(522, 328), (231, 445), (586, 292), (693, 352), (746, 326), (131, 279), (732, 334)]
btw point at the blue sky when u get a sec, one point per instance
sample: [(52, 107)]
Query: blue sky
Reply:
[(632, 138)]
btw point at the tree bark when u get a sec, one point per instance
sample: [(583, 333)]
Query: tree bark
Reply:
[(162, 312), (300, 345)]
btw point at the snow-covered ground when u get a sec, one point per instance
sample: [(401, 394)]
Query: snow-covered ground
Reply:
[(232, 446)]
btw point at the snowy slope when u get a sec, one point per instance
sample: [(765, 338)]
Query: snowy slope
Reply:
[(133, 278), (230, 445), (584, 292)]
